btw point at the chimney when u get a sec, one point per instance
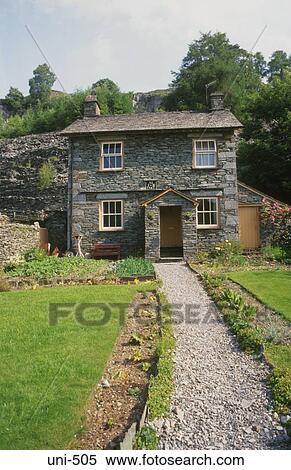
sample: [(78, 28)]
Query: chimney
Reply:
[(216, 101), (91, 108)]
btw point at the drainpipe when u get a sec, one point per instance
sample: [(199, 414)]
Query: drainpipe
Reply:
[(70, 196)]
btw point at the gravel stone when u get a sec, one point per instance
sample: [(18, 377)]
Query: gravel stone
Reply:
[(219, 390)]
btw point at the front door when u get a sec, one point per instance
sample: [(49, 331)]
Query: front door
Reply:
[(171, 227)]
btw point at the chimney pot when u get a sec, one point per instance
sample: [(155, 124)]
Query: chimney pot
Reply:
[(216, 101), (91, 108)]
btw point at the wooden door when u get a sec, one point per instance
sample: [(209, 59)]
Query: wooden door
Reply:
[(249, 226), (171, 226)]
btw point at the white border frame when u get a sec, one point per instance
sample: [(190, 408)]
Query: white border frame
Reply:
[(217, 213), (194, 165), (110, 229), (102, 155)]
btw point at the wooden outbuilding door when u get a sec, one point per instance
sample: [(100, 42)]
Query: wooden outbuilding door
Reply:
[(249, 226)]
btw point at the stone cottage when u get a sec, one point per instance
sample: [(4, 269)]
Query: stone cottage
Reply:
[(160, 184)]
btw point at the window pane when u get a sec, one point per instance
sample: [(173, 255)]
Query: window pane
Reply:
[(118, 162), (105, 148), (112, 207), (118, 148), (213, 218), (112, 220), (206, 204), (199, 159), (213, 204), (118, 207), (105, 207), (118, 221), (111, 148), (211, 144), (198, 145), (106, 221), (206, 218), (200, 206), (211, 159), (205, 145), (200, 218), (106, 162)]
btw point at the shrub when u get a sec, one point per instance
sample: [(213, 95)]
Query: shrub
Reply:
[(276, 219), (251, 338), (160, 388), (132, 267), (52, 266), (280, 382), (46, 175), (225, 250), (35, 254), (146, 439), (273, 253)]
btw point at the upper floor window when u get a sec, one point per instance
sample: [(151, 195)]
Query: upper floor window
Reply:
[(207, 212), (204, 154), (112, 156), (111, 215)]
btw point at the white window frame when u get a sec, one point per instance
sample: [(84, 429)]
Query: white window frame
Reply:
[(103, 228), (209, 211), (195, 151), (116, 154)]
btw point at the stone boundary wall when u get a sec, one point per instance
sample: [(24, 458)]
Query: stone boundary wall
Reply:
[(16, 239), (21, 199)]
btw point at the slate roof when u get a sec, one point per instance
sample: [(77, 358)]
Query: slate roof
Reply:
[(154, 121)]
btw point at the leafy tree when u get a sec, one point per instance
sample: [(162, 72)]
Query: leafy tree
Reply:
[(213, 58), (111, 100), (265, 151), (15, 100), (278, 63), (40, 85)]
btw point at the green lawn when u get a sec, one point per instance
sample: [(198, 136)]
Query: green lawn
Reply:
[(47, 372), (279, 355), (273, 288)]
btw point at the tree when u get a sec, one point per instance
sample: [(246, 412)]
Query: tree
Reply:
[(213, 58), (265, 150), (111, 100), (15, 100), (40, 85), (278, 64)]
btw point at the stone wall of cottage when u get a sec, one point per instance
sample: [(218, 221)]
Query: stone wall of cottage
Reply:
[(165, 159), (20, 198), (246, 196), (16, 239)]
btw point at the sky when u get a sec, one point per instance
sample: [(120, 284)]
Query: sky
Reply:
[(136, 43)]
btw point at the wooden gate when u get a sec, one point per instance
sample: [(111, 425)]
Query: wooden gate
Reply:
[(249, 226)]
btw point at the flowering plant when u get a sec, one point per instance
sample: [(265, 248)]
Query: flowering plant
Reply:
[(276, 219)]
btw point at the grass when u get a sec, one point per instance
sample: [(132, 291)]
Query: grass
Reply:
[(273, 288), (132, 267), (52, 266), (279, 355), (48, 372)]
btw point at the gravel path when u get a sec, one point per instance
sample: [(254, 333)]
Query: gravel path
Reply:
[(220, 400)]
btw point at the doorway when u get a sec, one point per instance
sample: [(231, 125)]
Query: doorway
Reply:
[(249, 227), (171, 236)]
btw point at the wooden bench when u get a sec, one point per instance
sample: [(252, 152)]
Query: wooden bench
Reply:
[(106, 250)]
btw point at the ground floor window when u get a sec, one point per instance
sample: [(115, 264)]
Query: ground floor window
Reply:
[(111, 216), (207, 212)]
